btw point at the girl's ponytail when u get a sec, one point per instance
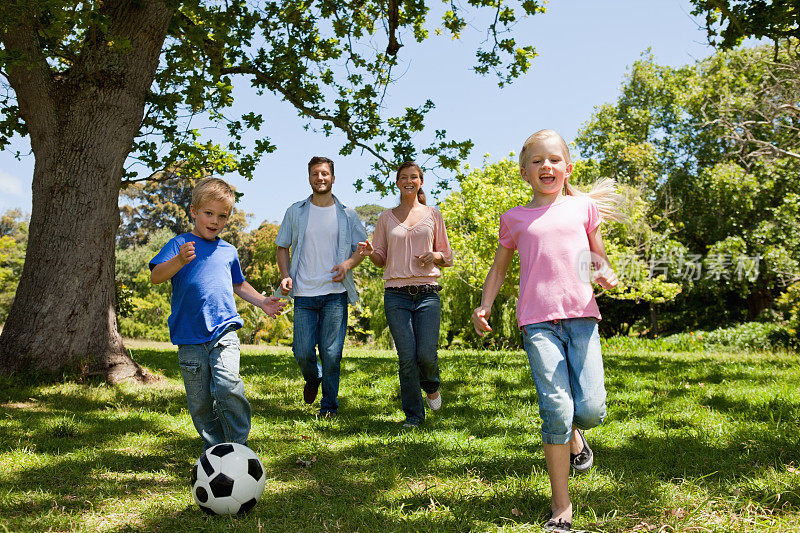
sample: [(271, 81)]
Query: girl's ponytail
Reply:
[(605, 196)]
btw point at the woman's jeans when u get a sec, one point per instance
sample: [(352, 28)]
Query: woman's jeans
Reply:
[(414, 323), (321, 321), (567, 369), (214, 390)]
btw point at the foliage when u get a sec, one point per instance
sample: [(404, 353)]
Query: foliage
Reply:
[(729, 22), (13, 242), (332, 61), (789, 304), (153, 205), (258, 255), (724, 217), (693, 441)]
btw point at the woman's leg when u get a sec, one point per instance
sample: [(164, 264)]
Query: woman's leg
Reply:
[(398, 309), (427, 318)]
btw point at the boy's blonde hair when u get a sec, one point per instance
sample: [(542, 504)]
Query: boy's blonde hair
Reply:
[(213, 189), (603, 192)]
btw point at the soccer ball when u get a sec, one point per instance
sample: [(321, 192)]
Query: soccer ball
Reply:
[(227, 479)]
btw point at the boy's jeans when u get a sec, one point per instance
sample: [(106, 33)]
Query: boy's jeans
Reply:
[(214, 390), (567, 369), (414, 323), (321, 321)]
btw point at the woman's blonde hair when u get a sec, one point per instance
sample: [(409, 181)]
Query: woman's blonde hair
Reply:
[(603, 192)]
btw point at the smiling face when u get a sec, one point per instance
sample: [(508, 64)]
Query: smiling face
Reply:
[(210, 218), (409, 181), (321, 178), (546, 168)]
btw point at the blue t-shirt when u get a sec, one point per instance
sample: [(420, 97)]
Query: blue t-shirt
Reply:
[(203, 306)]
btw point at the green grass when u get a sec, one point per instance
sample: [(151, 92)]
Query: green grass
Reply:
[(702, 441)]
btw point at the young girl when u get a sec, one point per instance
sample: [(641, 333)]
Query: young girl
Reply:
[(557, 235), (410, 241)]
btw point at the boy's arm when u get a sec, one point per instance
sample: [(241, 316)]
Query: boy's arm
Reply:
[(283, 268), (603, 274), (271, 305), (491, 287), (164, 271)]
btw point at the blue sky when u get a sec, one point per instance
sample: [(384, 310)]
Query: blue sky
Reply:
[(585, 48)]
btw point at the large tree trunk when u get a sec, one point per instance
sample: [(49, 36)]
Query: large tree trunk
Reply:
[(82, 125)]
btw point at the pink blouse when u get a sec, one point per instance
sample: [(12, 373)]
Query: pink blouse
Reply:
[(398, 245)]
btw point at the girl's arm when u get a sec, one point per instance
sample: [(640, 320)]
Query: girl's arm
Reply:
[(494, 280), (603, 274)]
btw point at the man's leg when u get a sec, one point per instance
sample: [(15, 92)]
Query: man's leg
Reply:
[(333, 327), (304, 342)]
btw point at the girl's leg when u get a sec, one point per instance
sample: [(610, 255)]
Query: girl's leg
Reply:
[(586, 375), (557, 458)]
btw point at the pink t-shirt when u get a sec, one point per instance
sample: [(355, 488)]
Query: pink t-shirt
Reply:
[(398, 244), (553, 247)]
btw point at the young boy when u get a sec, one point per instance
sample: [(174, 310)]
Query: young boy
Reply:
[(205, 274)]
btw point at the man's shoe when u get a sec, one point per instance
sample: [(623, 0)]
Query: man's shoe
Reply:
[(434, 404), (310, 391), (583, 460)]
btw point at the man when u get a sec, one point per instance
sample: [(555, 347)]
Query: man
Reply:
[(323, 236)]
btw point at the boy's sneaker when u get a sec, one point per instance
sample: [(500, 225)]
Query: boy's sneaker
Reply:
[(310, 391), (583, 460), (434, 404)]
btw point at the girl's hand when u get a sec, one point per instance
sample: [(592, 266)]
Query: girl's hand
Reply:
[(606, 278), (427, 258), (365, 248), (186, 253), (480, 320)]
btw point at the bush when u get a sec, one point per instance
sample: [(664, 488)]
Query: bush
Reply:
[(747, 336)]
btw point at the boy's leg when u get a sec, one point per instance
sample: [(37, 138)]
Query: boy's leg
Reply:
[(397, 307), (426, 321), (193, 361), (332, 330), (306, 337), (227, 388), (586, 372)]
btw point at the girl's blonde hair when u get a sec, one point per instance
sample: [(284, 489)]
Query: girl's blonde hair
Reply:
[(603, 192)]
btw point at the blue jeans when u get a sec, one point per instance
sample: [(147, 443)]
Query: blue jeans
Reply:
[(321, 321), (414, 323), (567, 369), (214, 390)]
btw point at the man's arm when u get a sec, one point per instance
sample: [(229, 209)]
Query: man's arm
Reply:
[(348, 264), (283, 267)]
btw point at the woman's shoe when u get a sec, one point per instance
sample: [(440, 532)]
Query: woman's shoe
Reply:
[(583, 460), (434, 404)]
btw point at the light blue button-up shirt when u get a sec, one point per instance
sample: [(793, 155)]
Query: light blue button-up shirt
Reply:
[(293, 229)]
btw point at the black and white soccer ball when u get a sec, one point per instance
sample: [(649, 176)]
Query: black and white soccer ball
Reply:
[(228, 479)]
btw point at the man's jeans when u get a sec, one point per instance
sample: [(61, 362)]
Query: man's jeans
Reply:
[(214, 390), (414, 323), (567, 369), (321, 321)]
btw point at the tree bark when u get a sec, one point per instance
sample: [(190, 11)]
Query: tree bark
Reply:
[(82, 123)]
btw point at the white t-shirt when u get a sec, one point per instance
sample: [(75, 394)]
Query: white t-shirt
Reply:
[(318, 256)]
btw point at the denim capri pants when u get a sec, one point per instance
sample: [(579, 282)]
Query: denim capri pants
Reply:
[(567, 369)]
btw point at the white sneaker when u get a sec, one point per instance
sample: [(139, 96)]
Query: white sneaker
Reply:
[(434, 404)]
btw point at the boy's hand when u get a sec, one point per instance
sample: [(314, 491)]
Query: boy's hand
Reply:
[(272, 305), (606, 278), (340, 269), (365, 248), (286, 285), (480, 320), (186, 253)]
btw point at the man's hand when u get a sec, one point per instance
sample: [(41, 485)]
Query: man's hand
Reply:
[(340, 271), (272, 305), (480, 320), (186, 253), (286, 286)]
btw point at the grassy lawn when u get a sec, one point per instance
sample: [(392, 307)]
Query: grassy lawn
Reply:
[(706, 441)]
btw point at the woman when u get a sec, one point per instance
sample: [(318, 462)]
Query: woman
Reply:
[(410, 243)]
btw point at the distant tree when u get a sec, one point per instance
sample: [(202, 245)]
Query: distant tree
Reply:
[(153, 205), (369, 215), (13, 242), (99, 84)]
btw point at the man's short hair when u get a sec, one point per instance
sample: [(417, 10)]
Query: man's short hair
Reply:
[(316, 160), (213, 189)]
